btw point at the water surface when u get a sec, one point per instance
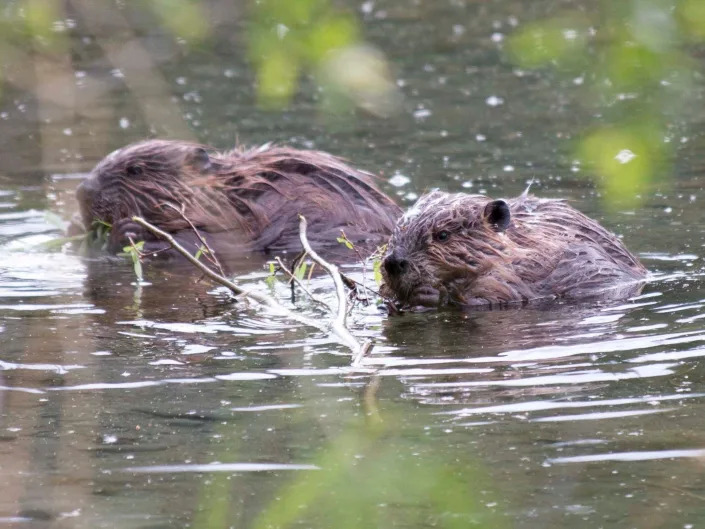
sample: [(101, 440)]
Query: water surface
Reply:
[(169, 404)]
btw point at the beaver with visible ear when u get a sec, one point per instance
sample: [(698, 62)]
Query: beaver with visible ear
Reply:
[(470, 250), (240, 200)]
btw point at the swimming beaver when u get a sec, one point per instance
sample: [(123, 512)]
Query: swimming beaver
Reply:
[(241, 200), (469, 250)]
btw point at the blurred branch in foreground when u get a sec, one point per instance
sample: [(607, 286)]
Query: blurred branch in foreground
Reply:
[(90, 69), (373, 473), (287, 39), (633, 58)]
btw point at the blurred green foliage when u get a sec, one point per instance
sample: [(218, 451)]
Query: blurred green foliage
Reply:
[(134, 253), (286, 37), (40, 16), (289, 39), (634, 61), (374, 473), (184, 18), (367, 480), (691, 15)]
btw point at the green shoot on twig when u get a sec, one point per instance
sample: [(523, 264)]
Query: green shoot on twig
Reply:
[(271, 278), (134, 252), (300, 270)]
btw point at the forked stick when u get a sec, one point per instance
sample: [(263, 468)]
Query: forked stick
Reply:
[(297, 281), (338, 323), (336, 326)]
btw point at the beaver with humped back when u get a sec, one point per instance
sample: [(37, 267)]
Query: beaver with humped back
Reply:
[(472, 251), (242, 200)]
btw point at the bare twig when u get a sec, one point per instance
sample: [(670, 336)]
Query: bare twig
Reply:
[(296, 280), (359, 356), (336, 327), (211, 254), (351, 284), (296, 261), (338, 323), (234, 287), (341, 315)]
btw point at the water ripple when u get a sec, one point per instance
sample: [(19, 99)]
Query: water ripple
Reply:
[(578, 377), (200, 328), (543, 405), (603, 346), (631, 456), (54, 368), (599, 415)]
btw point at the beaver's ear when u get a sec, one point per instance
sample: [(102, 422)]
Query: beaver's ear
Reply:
[(497, 215), (199, 159)]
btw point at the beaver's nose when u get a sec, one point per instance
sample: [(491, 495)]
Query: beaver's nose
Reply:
[(395, 264), (86, 191)]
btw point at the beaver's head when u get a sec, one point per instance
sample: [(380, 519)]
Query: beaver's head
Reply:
[(442, 246), (140, 178)]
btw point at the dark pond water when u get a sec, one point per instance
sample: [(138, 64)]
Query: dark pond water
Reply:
[(168, 405)]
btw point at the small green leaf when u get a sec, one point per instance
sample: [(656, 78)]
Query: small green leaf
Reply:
[(137, 266), (271, 279), (133, 252), (98, 235), (300, 271), (346, 242), (200, 252), (377, 268), (134, 248)]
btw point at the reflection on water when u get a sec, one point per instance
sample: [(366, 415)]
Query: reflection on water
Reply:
[(170, 404)]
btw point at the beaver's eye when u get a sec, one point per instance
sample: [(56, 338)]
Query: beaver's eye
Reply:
[(133, 170), (442, 235)]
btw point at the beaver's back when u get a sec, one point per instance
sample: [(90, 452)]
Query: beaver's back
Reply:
[(241, 200), (576, 255), (270, 187)]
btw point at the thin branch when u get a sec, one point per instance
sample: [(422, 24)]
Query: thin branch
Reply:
[(211, 254), (338, 323), (351, 284), (335, 327), (296, 280), (359, 356), (340, 318), (256, 296), (362, 285)]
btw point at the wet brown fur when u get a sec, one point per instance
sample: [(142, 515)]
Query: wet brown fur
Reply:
[(549, 250), (243, 199)]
